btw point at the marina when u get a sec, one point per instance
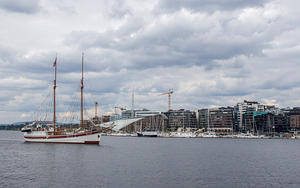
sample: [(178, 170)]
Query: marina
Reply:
[(202, 135)]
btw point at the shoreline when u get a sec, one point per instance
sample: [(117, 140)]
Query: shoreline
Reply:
[(194, 135), (204, 136)]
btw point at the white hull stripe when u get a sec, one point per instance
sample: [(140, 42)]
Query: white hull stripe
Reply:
[(82, 139)]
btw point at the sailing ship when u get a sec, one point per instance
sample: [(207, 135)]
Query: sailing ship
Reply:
[(51, 133)]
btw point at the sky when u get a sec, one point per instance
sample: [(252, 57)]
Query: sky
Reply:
[(210, 52)]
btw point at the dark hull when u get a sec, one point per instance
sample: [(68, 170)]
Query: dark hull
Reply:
[(145, 135), (26, 130)]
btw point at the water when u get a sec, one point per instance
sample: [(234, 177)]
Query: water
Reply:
[(150, 162)]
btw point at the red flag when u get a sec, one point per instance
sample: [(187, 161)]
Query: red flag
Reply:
[(54, 64)]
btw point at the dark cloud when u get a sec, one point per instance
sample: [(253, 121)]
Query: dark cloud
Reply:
[(207, 5), (21, 6), (283, 83), (175, 40)]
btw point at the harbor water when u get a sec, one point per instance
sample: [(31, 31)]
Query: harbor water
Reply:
[(150, 162)]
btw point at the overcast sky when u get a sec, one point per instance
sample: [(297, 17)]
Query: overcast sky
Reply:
[(211, 52)]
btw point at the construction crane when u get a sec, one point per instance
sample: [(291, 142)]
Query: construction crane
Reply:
[(169, 93)]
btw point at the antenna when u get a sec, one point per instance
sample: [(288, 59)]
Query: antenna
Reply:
[(54, 95), (81, 102)]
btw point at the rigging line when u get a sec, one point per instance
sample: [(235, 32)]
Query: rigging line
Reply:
[(41, 108), (73, 107), (47, 109), (89, 102), (38, 111)]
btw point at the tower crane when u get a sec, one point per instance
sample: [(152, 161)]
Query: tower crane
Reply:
[(169, 93)]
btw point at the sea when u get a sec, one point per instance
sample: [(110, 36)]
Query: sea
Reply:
[(150, 162)]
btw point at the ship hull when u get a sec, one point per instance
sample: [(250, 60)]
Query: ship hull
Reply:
[(146, 135), (82, 138)]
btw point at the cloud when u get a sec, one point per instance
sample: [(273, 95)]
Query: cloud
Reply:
[(210, 52), (184, 38), (20, 6), (117, 9), (207, 5)]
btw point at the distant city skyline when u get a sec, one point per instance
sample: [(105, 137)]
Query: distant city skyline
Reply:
[(211, 53)]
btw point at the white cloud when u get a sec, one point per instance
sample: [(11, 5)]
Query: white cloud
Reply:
[(211, 53)]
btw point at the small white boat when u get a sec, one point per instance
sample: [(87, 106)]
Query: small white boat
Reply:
[(209, 134), (183, 134)]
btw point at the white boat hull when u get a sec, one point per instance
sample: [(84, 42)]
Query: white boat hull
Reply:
[(82, 138), (147, 134)]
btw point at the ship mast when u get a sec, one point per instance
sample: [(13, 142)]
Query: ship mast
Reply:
[(81, 119), (54, 96)]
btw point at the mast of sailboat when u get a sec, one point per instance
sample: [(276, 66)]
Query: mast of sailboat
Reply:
[(132, 104), (81, 110), (54, 95)]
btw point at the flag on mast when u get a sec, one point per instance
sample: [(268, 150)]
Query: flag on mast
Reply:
[(54, 64)]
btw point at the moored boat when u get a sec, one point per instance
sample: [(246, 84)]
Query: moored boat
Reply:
[(75, 138), (50, 133), (147, 133)]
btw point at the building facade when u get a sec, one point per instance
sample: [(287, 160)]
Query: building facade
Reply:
[(181, 119), (270, 123), (245, 112), (217, 119)]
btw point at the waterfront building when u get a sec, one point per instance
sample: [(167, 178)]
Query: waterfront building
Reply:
[(127, 114), (294, 119), (203, 118), (221, 119), (181, 119), (217, 119), (281, 123), (295, 122), (152, 120), (267, 123), (240, 113), (145, 113), (248, 120), (245, 111), (114, 117)]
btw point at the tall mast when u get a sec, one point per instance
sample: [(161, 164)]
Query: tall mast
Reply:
[(81, 119), (169, 100), (96, 107), (132, 104), (208, 120), (54, 88)]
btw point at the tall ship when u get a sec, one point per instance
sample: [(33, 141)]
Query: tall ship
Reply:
[(51, 133)]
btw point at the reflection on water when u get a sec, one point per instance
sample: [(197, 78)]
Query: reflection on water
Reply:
[(150, 162)]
